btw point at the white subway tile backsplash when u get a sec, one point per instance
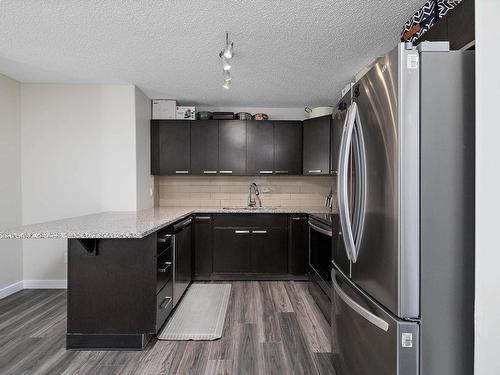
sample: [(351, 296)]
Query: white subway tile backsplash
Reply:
[(232, 191)]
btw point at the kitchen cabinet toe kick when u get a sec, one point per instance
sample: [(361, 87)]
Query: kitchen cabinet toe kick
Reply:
[(83, 341)]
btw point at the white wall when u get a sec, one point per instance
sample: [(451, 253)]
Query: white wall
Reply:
[(78, 157), (487, 319), (10, 181), (144, 180)]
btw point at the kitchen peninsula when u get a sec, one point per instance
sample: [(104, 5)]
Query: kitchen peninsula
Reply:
[(128, 270)]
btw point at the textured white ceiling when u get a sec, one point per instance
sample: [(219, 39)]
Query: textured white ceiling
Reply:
[(287, 53)]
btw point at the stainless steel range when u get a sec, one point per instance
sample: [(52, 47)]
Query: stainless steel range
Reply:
[(320, 258)]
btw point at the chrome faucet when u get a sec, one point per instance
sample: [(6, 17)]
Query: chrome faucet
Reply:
[(252, 202)]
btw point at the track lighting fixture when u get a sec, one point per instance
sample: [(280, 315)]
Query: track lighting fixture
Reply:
[(226, 55)]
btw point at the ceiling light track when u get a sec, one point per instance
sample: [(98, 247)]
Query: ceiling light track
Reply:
[(226, 55)]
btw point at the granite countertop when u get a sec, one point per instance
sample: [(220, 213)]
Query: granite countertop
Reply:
[(129, 224)]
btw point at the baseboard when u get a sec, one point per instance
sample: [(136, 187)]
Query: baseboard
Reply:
[(45, 284), (11, 289)]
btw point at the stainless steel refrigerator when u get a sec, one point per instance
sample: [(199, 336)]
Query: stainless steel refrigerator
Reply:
[(403, 279)]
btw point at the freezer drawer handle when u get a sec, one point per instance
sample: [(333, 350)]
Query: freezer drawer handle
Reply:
[(373, 319)]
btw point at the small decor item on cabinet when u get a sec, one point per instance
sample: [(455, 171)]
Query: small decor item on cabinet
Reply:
[(318, 111), (243, 116), (260, 117), (163, 109), (223, 116), (204, 115), (185, 113)]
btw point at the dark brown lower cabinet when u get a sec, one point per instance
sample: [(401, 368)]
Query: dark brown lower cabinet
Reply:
[(203, 241), (269, 250), (251, 244), (298, 245), (232, 250)]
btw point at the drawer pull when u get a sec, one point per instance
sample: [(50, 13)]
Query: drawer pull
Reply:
[(241, 231), (266, 172), (299, 218), (259, 231), (225, 172), (165, 238), (209, 172), (281, 172), (167, 266), (181, 172), (202, 218), (315, 170), (167, 301)]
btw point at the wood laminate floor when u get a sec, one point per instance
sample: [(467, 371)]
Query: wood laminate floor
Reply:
[(271, 328)]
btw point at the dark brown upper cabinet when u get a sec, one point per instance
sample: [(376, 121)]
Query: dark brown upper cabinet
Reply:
[(288, 147), (204, 147), (170, 147), (232, 147), (316, 145), (260, 148)]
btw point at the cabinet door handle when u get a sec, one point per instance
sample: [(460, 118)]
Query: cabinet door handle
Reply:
[(266, 172), (202, 218), (281, 172), (241, 231), (225, 172), (259, 231), (167, 266), (209, 172), (165, 303), (299, 218), (315, 171), (181, 172)]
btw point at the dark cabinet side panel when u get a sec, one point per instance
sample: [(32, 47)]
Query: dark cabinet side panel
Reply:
[(115, 291), (317, 146), (298, 247), (174, 146), (155, 148), (203, 242), (260, 147), (232, 147), (204, 147), (288, 147)]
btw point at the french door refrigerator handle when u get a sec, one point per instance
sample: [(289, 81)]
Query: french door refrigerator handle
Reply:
[(372, 318), (360, 159), (343, 201)]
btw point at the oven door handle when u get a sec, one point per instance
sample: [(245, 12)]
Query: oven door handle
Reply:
[(326, 232)]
